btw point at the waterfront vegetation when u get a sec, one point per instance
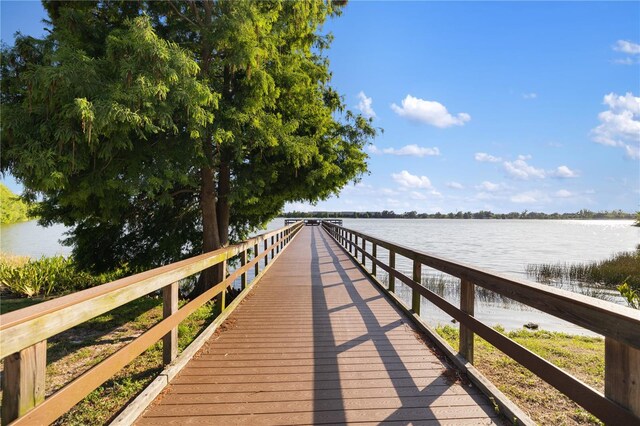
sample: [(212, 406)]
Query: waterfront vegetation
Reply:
[(49, 276), (621, 271), (12, 208), (582, 356)]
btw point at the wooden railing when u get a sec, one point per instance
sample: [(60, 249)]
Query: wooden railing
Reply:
[(23, 333), (620, 403)]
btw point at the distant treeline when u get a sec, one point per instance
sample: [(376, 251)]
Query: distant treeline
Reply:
[(482, 214)]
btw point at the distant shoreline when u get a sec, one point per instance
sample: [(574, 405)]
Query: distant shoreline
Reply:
[(525, 215)]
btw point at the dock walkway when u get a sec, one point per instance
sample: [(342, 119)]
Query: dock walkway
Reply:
[(317, 343)]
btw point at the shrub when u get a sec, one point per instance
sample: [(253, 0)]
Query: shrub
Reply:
[(50, 276)]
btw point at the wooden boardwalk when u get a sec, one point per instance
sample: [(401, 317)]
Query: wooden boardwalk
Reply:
[(317, 343)]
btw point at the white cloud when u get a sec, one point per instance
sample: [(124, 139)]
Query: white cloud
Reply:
[(625, 46), (489, 186), (365, 105), (407, 180), (483, 157), (429, 112), (413, 150), (519, 169), (563, 193), (455, 185), (564, 172), (531, 95), (620, 125), (530, 197), (525, 197), (415, 195), (626, 102), (485, 196)]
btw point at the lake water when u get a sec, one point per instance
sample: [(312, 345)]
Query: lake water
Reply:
[(503, 246), (29, 239)]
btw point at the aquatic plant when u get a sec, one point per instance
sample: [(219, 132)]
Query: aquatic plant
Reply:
[(620, 268)]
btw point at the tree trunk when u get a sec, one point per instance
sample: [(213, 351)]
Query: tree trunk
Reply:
[(223, 205), (210, 237)]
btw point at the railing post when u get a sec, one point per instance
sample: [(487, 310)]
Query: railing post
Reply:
[(622, 374), (243, 277), (374, 253), (273, 241), (350, 242), (392, 265), (415, 296), (364, 250), (277, 243), (467, 299), (223, 293), (266, 253), (170, 307), (23, 381), (256, 268), (355, 247)]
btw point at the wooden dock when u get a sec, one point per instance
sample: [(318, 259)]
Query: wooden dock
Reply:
[(315, 338), (317, 342)]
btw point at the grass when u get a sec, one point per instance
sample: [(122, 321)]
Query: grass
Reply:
[(581, 356), (8, 304), (71, 353)]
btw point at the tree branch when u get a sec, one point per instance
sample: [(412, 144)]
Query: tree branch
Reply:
[(196, 12), (183, 191), (182, 15)]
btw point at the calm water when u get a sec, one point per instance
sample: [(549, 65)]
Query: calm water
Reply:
[(504, 246), (29, 239)]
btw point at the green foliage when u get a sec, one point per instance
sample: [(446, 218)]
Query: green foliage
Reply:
[(12, 208), (50, 276), (157, 130), (637, 219), (632, 295)]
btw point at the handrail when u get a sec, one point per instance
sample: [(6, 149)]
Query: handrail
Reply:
[(620, 325), (22, 332)]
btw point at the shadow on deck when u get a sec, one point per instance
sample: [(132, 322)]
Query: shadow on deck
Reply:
[(317, 343)]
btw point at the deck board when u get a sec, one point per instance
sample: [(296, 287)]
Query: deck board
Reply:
[(317, 343)]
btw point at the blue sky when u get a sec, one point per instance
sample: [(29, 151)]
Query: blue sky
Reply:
[(501, 106)]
